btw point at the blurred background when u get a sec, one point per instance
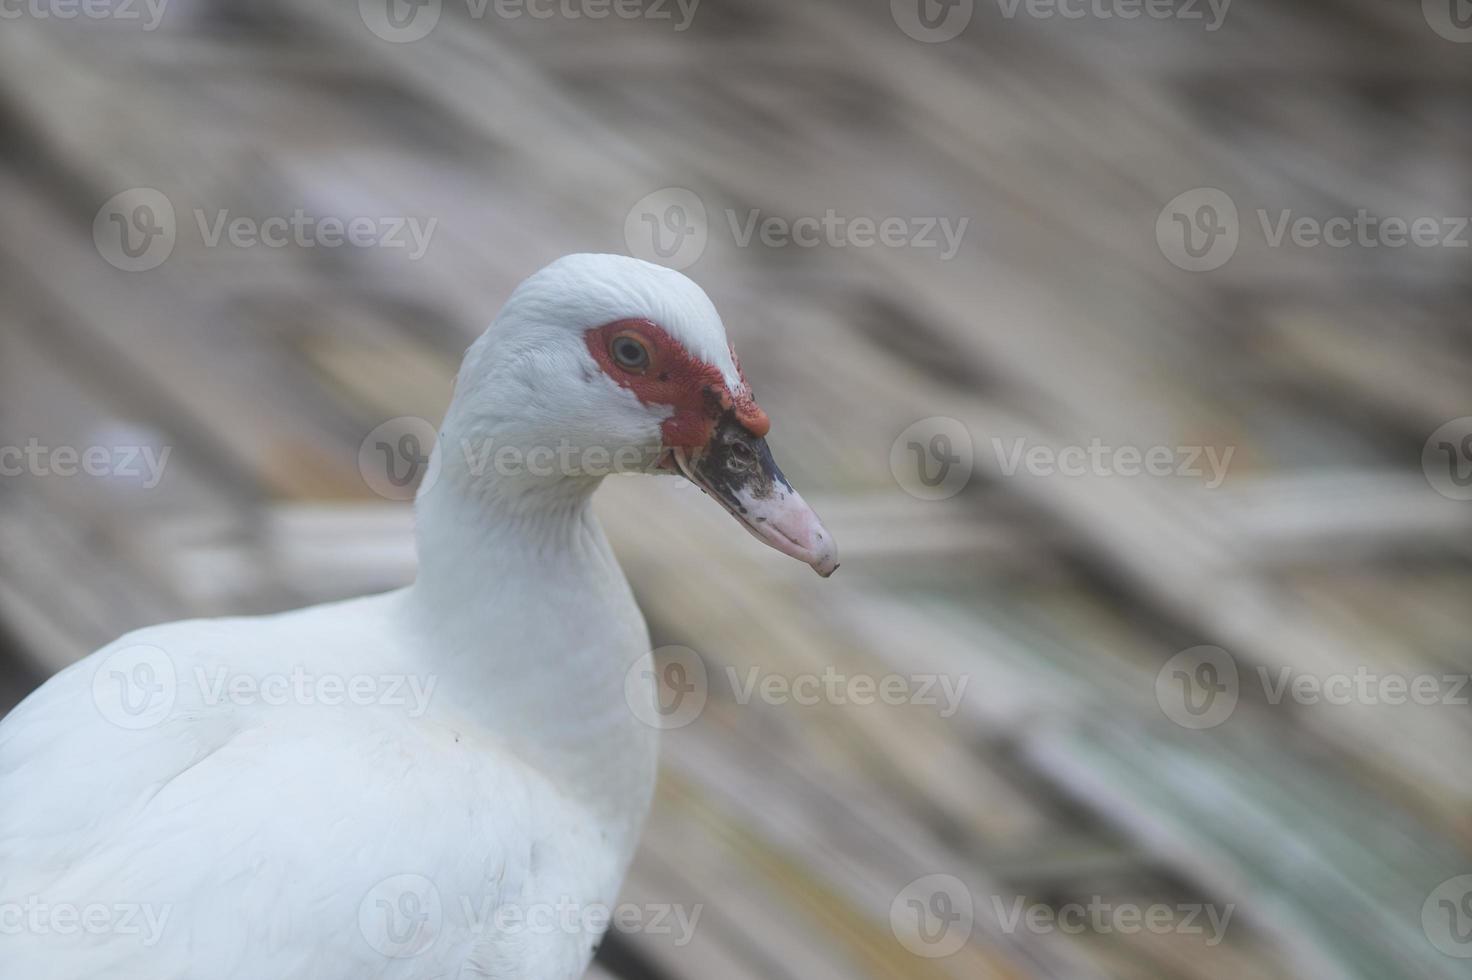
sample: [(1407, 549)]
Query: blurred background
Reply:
[(1123, 346)]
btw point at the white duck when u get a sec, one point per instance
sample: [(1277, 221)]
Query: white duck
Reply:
[(396, 786)]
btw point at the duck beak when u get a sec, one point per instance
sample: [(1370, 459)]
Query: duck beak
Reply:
[(737, 469)]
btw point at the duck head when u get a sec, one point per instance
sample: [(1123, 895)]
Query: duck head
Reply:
[(604, 363)]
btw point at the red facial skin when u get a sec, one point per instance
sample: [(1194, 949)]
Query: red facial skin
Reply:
[(695, 389)]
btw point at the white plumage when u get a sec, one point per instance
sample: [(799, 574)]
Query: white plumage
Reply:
[(360, 790)]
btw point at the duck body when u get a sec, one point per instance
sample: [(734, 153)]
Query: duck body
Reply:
[(411, 831), (447, 781)]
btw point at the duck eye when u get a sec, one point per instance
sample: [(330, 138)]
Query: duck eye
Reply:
[(629, 353)]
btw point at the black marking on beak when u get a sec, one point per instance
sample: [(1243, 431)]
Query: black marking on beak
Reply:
[(736, 460)]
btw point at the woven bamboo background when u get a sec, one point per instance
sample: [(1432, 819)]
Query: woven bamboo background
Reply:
[(1324, 828)]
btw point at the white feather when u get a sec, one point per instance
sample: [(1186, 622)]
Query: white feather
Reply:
[(251, 836)]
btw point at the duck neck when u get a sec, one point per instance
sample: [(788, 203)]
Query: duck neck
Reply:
[(532, 628)]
